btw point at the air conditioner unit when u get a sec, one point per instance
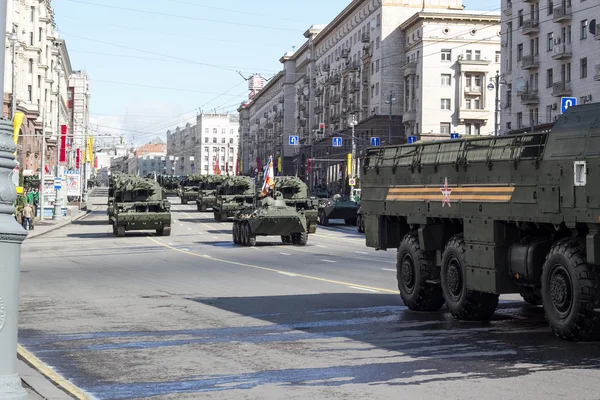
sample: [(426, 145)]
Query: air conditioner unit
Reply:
[(554, 106)]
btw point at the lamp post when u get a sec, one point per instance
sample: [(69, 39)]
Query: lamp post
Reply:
[(14, 40), (11, 238), (352, 122), (57, 213), (495, 82), (391, 101)]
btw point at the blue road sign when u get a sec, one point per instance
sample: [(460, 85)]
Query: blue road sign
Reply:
[(375, 141), (293, 140), (454, 135), (566, 102), (336, 142), (412, 139), (57, 183)]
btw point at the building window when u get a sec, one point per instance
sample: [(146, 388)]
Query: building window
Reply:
[(231, 131), (223, 130), (215, 131), (477, 129), (446, 79), (477, 55), (205, 158), (377, 66), (222, 140), (206, 140), (39, 34), (31, 38), (377, 89), (550, 7), (214, 140), (205, 130), (29, 93), (509, 96), (377, 42), (550, 41), (445, 128), (32, 14), (583, 68), (549, 78), (446, 55), (519, 120), (477, 104), (520, 17), (498, 53), (519, 51), (216, 149), (30, 66), (468, 129), (445, 104), (231, 140), (566, 72), (469, 55), (584, 25), (468, 104)]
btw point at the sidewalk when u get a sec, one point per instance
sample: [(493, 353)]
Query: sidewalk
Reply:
[(37, 386), (49, 225)]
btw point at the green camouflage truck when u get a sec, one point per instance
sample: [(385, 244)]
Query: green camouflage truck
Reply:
[(207, 192), (234, 194), (113, 181), (475, 218), (140, 204), (189, 188), (296, 194), (170, 183)]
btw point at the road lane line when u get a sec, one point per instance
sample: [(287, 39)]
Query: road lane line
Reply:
[(366, 290), (287, 273), (329, 261), (389, 269), (216, 237), (52, 375), (361, 252), (285, 254), (321, 246), (314, 278)]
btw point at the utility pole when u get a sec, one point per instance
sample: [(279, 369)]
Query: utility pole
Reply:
[(11, 238), (57, 214), (43, 169), (353, 123), (495, 84), (391, 101)]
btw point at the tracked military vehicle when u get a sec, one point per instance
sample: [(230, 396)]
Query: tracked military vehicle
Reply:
[(296, 194), (170, 183), (337, 207), (140, 204), (113, 182), (475, 218), (271, 216), (189, 188), (234, 194), (207, 192)]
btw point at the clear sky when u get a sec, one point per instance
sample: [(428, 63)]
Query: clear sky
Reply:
[(153, 64)]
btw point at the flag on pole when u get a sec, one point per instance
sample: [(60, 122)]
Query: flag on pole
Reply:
[(269, 180)]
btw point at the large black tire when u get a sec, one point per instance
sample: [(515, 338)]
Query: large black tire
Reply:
[(300, 239), (250, 238), (463, 303), (361, 224), (571, 291), (166, 231), (183, 201), (218, 217), (415, 268), (323, 220), (531, 296), (120, 231), (286, 239), (234, 232), (199, 207), (203, 207)]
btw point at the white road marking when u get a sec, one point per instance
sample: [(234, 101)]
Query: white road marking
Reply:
[(388, 269), (329, 261), (361, 252), (366, 290), (285, 254), (185, 249), (190, 229), (320, 245), (170, 244), (180, 224), (287, 273), (254, 248), (215, 237), (201, 233)]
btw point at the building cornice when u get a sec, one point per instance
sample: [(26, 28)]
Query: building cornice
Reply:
[(483, 17), (339, 19)]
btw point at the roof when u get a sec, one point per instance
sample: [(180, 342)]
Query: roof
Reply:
[(151, 148), (453, 15)]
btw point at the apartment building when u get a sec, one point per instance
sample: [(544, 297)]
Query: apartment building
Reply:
[(78, 104), (200, 148), (451, 57), (37, 49), (549, 51)]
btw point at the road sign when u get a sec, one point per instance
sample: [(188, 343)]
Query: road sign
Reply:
[(375, 141), (566, 102), (412, 139), (57, 183), (454, 135), (336, 141), (293, 140), (352, 182)]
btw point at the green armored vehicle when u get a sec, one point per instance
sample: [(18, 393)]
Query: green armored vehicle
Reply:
[(337, 207), (189, 187), (271, 216), (296, 194), (360, 221), (475, 218), (170, 183), (234, 194), (207, 192), (113, 182), (140, 204)]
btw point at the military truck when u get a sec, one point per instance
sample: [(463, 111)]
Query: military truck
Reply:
[(170, 183), (189, 188), (114, 180), (207, 192), (475, 218), (360, 221), (232, 195), (140, 204), (296, 194), (337, 207), (271, 216)]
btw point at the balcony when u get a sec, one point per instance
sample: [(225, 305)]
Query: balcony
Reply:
[(464, 59), (410, 69), (597, 74), (473, 114), (561, 52), (366, 37), (530, 26), (560, 89), (473, 90), (508, 10), (597, 34), (409, 115), (528, 99), (529, 62), (561, 14)]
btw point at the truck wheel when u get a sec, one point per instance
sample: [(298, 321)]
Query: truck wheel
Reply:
[(199, 207), (114, 227), (414, 268), (286, 239), (184, 202), (323, 220), (463, 304), (203, 208), (166, 231), (120, 231), (236, 232), (250, 238), (217, 216), (359, 223), (243, 234), (571, 291), (530, 296), (300, 239)]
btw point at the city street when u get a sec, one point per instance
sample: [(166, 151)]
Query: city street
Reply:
[(194, 316)]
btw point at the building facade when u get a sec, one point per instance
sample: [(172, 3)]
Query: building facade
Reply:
[(37, 50), (78, 104), (447, 82), (549, 51), (205, 148)]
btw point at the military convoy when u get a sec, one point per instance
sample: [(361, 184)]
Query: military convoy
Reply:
[(296, 194), (207, 192), (137, 204), (170, 183), (189, 188), (475, 218), (271, 216), (337, 207), (232, 195)]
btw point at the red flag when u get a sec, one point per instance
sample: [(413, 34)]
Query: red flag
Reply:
[(227, 168), (77, 158), (46, 169), (63, 144), (96, 162)]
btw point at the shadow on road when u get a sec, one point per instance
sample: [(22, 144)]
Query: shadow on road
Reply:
[(88, 222), (98, 235)]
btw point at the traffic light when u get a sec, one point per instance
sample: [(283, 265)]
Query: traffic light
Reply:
[(308, 166), (321, 130), (349, 164)]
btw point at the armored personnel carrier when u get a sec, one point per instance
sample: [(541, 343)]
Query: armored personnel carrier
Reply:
[(234, 194), (337, 207), (189, 188), (140, 204), (296, 194), (475, 218), (271, 216), (207, 192), (170, 183)]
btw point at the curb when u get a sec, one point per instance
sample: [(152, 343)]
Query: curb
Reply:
[(59, 225)]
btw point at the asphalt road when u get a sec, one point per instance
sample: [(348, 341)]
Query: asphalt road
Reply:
[(192, 316)]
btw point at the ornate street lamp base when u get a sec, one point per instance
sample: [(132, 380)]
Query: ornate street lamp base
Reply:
[(57, 213), (11, 388)]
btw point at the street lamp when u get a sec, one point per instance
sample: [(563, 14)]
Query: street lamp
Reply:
[(352, 122), (495, 82), (57, 213), (391, 100), (14, 40)]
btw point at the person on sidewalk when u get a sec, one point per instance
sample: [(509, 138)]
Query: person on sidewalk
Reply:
[(27, 215)]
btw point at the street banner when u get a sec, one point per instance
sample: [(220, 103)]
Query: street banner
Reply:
[(73, 183), (90, 149), (17, 122), (77, 158), (63, 144)]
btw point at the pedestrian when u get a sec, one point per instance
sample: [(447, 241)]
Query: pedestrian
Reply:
[(27, 214)]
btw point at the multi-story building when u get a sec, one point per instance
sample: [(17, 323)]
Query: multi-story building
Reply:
[(78, 104), (200, 148), (38, 50), (450, 59), (549, 51), (148, 158)]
